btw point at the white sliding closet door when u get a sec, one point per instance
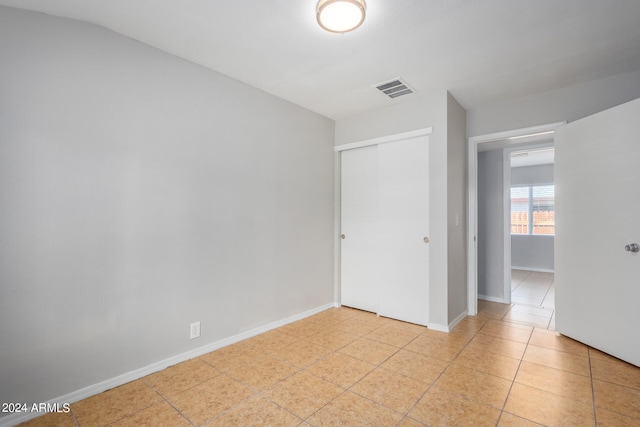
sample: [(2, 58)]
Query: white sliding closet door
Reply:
[(359, 249), (385, 218), (403, 195)]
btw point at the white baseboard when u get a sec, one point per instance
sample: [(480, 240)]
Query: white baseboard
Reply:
[(492, 299), (537, 270), (83, 393), (438, 327), (457, 320)]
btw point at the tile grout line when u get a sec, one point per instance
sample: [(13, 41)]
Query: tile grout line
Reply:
[(514, 380), (593, 391), (360, 379), (449, 363)]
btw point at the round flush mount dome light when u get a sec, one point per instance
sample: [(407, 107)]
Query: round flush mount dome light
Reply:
[(340, 16)]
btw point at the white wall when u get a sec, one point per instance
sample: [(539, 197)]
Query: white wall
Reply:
[(139, 193), (532, 252), (491, 225), (429, 110)]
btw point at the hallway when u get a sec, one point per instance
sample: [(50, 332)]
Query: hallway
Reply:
[(532, 300)]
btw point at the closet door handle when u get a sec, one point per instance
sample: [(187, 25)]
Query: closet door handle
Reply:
[(426, 239)]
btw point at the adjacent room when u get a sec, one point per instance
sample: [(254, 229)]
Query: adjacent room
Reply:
[(244, 213)]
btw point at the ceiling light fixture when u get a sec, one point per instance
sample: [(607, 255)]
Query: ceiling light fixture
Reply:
[(340, 16)]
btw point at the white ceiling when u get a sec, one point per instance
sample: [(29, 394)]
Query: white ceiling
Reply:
[(482, 51)]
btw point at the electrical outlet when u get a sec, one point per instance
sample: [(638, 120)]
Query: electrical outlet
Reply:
[(194, 331)]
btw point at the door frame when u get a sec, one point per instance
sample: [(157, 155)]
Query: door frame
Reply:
[(505, 139), (337, 194)]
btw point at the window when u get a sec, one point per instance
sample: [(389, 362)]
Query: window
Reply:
[(532, 210)]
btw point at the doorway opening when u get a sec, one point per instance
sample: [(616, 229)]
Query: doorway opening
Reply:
[(510, 290)]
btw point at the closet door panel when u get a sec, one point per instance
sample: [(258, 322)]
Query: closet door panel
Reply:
[(359, 225), (403, 221)]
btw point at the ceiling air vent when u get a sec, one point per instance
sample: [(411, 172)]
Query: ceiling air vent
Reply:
[(394, 88)]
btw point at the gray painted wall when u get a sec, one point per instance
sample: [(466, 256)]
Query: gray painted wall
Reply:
[(532, 252), (532, 175), (566, 104), (429, 110), (139, 193), (457, 207), (491, 225)]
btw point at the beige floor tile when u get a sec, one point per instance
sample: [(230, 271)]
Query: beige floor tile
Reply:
[(370, 351), (180, 377), (548, 408), (256, 411), (557, 359), (537, 311), (392, 335), (494, 364), (391, 389), (495, 345), (406, 326), (563, 383), (443, 408), (555, 341), (606, 418), (302, 394), (597, 354), (114, 404), (232, 356), (493, 309), (58, 419), (617, 398), (527, 319), (470, 323), (262, 373), (436, 347), (341, 369), (356, 326), (302, 353), (415, 365), (456, 338), (616, 371), (302, 328), (510, 420), (349, 409), (160, 414), (333, 340), (209, 399), (272, 340), (526, 300), (475, 385), (337, 314), (508, 331), (408, 422)]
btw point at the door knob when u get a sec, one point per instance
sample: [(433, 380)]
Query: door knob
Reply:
[(633, 247), (343, 236), (426, 240)]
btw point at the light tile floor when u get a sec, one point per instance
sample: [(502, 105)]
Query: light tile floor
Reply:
[(345, 367), (532, 300)]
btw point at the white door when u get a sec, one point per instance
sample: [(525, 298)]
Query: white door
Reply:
[(597, 177), (403, 183), (384, 220), (359, 222)]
